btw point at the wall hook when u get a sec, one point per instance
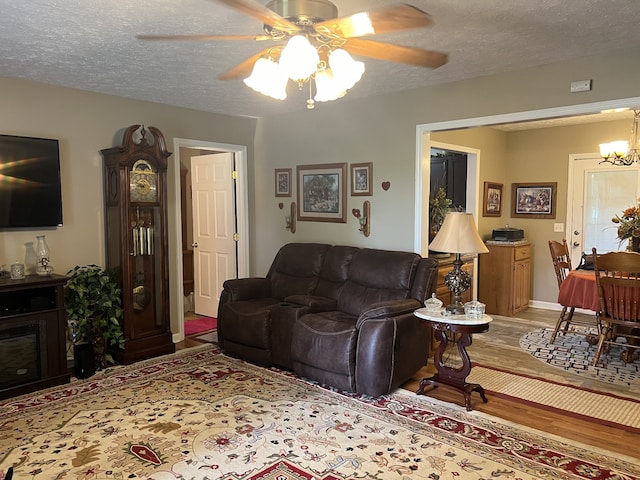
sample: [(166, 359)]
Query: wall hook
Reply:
[(364, 218)]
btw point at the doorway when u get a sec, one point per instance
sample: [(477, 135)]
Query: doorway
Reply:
[(596, 193), (239, 153)]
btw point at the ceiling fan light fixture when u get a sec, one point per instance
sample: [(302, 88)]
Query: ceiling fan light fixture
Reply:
[(299, 59), (328, 88), (267, 79), (346, 70)]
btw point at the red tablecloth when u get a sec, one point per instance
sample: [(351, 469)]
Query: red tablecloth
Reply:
[(579, 290)]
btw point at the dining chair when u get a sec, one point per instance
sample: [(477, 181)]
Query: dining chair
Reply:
[(618, 280), (562, 266)]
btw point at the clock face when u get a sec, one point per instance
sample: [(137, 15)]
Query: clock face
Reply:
[(143, 182)]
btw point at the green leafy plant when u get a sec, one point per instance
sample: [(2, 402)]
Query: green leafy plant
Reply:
[(439, 206), (93, 302)]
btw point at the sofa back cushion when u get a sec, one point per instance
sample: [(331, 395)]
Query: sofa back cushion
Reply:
[(377, 276), (296, 269), (334, 271)]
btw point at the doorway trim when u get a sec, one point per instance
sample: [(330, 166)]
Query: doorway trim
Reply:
[(423, 147), (175, 239)]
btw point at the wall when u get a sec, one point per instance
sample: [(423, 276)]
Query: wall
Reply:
[(84, 123), (382, 130)]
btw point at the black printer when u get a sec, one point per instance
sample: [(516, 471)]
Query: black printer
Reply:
[(507, 234)]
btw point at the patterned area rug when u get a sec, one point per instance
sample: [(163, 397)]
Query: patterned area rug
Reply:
[(571, 352), (200, 415)]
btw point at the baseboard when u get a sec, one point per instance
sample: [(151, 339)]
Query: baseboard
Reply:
[(555, 307)]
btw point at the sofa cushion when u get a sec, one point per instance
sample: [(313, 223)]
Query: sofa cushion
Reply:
[(296, 269), (334, 271), (369, 280), (254, 318), (326, 342)]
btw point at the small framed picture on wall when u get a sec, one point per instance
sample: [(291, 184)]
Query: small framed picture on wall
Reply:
[(283, 182), (361, 178), (534, 200), (492, 204)]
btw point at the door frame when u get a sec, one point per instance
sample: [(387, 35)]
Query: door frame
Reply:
[(175, 235), (423, 149)]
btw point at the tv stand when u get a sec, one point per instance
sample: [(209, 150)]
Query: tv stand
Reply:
[(32, 334)]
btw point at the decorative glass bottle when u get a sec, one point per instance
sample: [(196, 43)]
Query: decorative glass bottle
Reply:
[(30, 259), (42, 253)]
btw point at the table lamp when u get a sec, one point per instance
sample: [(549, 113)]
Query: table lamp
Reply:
[(458, 235)]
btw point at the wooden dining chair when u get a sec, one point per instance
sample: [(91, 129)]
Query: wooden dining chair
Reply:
[(618, 280), (562, 266)]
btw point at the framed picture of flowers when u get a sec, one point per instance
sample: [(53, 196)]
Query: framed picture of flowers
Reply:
[(533, 200)]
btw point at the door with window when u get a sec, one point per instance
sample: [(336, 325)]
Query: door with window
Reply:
[(600, 192)]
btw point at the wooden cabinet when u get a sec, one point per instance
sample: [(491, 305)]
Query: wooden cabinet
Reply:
[(33, 329), (505, 277), (444, 267)]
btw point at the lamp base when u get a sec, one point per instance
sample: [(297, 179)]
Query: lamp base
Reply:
[(458, 281)]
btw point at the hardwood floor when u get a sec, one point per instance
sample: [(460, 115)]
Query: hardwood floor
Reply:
[(499, 348)]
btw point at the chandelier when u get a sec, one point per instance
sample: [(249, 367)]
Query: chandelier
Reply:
[(330, 68), (621, 152)]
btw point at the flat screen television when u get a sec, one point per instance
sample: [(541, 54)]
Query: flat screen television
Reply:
[(30, 186)]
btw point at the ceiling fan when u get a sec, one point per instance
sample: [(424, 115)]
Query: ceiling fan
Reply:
[(316, 23)]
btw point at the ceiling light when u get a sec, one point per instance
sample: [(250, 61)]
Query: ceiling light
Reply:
[(334, 72), (621, 152)]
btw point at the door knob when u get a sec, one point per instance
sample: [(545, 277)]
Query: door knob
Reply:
[(576, 232), (576, 244), (194, 245)]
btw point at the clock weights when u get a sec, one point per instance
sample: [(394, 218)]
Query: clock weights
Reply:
[(135, 179)]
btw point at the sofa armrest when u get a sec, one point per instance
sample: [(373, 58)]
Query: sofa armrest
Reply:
[(317, 304), (388, 309), (247, 288)]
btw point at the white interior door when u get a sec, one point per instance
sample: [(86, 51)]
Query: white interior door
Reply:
[(600, 191), (214, 226)]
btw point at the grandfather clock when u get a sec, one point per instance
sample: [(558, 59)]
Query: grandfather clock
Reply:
[(135, 191)]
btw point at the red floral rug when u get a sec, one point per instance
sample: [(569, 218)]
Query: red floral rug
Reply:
[(200, 415)]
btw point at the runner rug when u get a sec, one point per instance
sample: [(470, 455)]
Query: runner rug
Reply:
[(199, 325), (197, 414), (606, 409), (572, 353)]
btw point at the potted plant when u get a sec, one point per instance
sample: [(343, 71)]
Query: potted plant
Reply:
[(93, 302)]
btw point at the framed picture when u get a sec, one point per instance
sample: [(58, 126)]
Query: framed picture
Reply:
[(283, 182), (321, 192), (361, 178), (534, 200), (492, 204)]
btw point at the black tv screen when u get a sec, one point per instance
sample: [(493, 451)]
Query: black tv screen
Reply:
[(30, 187)]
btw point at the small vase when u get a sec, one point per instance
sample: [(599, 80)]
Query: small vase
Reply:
[(30, 259), (42, 254)]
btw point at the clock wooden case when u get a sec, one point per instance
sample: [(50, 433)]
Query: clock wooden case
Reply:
[(135, 179)]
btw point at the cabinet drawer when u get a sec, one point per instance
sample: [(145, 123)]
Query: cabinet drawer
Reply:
[(520, 253)]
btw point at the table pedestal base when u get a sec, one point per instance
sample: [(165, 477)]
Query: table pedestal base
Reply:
[(450, 376), (464, 388)]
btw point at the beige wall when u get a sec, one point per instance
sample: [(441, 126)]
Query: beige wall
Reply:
[(84, 123), (381, 130)]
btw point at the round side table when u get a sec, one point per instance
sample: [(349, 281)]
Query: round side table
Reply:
[(453, 329)]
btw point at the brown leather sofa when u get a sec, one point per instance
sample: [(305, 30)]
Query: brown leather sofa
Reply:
[(339, 315)]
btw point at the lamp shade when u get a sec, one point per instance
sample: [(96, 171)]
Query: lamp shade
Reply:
[(299, 59), (458, 234)]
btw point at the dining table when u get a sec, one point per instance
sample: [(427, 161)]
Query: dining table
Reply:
[(579, 290)]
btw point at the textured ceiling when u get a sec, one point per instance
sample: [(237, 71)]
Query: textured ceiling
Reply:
[(91, 45)]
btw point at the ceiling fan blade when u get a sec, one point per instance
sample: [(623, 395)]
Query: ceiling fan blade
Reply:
[(262, 13), (204, 37), (382, 20), (395, 53), (243, 69)]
